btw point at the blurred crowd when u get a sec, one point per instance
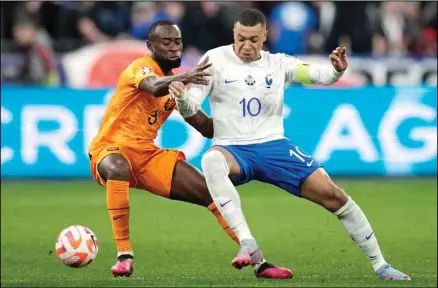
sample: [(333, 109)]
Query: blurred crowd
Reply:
[(39, 30)]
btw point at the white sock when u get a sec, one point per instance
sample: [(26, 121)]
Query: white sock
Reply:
[(359, 229), (224, 193)]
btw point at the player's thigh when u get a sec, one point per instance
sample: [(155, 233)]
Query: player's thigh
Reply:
[(284, 165), (320, 189), (233, 164), (111, 163), (240, 160), (155, 174), (188, 185)]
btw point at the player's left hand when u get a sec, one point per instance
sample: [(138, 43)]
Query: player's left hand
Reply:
[(176, 89), (339, 59)]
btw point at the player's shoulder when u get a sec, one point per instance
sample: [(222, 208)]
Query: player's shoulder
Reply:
[(144, 61), (218, 52), (280, 57), (143, 65)]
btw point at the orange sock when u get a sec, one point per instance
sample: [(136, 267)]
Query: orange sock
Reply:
[(117, 201), (212, 207)]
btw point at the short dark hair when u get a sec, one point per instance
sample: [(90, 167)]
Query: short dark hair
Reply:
[(251, 17), (157, 24)]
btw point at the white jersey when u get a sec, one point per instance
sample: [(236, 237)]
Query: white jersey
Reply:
[(246, 99)]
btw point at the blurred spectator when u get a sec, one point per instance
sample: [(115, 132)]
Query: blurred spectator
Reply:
[(103, 21), (425, 43), (31, 31), (67, 34), (32, 10), (206, 25), (144, 14), (39, 65), (175, 10), (393, 25), (378, 28), (351, 27), (234, 8), (290, 25), (7, 18), (326, 14), (429, 14)]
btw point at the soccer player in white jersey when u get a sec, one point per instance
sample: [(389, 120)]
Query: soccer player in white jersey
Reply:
[(246, 97)]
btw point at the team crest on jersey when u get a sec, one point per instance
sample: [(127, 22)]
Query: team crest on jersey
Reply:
[(249, 80), (169, 105), (146, 70), (111, 149), (269, 80)]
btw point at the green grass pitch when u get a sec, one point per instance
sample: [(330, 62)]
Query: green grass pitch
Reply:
[(178, 244)]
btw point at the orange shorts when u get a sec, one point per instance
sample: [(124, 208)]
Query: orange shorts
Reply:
[(151, 167)]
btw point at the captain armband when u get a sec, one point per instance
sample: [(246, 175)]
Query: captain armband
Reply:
[(308, 75), (302, 73)]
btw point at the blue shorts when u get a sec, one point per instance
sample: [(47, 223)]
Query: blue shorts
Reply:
[(277, 162)]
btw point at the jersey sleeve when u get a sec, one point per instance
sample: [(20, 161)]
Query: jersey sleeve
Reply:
[(296, 70), (137, 72), (306, 74), (198, 93)]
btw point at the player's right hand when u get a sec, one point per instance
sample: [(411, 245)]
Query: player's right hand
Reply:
[(198, 75), (176, 89)]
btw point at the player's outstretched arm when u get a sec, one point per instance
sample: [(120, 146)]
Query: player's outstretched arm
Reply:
[(190, 109), (159, 86), (201, 122), (297, 71)]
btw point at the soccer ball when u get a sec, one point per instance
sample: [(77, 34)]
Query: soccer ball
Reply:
[(76, 246)]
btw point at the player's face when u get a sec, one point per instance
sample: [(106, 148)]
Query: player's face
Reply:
[(248, 41), (166, 47)]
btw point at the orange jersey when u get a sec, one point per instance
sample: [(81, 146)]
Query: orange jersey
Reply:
[(133, 115)]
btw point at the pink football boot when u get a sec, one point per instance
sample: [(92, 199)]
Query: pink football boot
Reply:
[(123, 268), (270, 271), (250, 254)]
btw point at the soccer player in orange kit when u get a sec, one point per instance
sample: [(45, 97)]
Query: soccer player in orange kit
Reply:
[(123, 154)]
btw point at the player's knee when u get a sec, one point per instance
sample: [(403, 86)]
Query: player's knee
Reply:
[(214, 163), (115, 167), (335, 198)]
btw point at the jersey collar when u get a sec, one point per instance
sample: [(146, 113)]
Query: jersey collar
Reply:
[(156, 66)]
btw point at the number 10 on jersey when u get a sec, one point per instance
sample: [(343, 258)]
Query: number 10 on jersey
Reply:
[(251, 107)]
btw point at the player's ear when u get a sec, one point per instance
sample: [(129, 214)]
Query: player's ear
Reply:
[(149, 45), (234, 34), (265, 34), (235, 27)]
